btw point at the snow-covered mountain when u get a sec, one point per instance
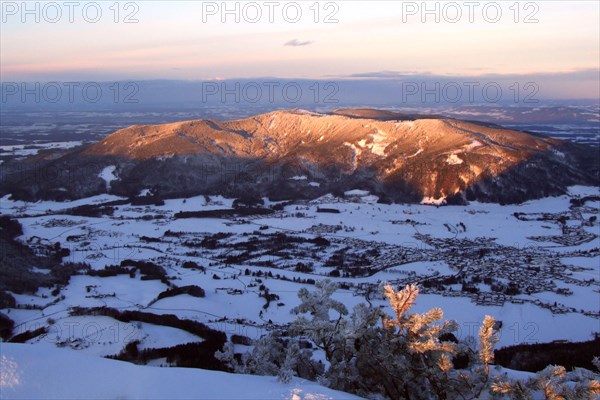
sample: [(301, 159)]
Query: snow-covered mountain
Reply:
[(398, 156)]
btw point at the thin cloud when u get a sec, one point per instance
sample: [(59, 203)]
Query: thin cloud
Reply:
[(297, 43), (386, 74), (584, 74)]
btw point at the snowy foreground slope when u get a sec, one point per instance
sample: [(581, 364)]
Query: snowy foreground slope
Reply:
[(31, 372)]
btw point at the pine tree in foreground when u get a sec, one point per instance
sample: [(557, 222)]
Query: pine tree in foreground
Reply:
[(487, 339), (402, 356)]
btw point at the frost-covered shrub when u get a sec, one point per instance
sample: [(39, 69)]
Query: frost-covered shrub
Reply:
[(402, 356), (553, 383)]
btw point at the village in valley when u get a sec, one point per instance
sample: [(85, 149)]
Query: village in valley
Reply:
[(474, 259)]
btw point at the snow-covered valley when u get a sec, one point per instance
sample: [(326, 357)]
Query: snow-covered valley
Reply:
[(534, 267)]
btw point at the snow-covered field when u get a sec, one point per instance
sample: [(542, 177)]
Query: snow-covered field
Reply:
[(525, 245), (61, 374), (32, 149)]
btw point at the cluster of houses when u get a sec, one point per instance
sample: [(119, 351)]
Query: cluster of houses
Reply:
[(571, 236)]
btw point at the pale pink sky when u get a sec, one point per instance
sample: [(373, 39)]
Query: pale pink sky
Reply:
[(171, 40)]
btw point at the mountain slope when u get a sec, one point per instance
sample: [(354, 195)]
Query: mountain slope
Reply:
[(30, 372), (407, 158)]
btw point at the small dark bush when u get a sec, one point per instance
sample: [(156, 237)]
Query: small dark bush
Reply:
[(64, 272), (241, 339), (148, 239), (192, 290), (6, 327), (147, 268), (111, 270), (7, 300), (28, 335), (10, 228)]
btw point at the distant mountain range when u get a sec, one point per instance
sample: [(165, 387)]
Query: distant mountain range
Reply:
[(300, 154)]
